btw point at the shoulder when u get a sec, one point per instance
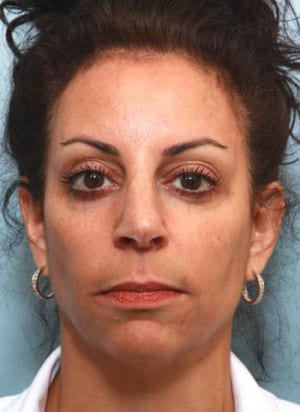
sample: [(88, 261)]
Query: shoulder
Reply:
[(33, 399), (249, 396)]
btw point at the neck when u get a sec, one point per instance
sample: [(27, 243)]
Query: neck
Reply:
[(198, 381)]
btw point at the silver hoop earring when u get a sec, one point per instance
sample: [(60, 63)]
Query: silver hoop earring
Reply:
[(35, 286), (260, 291)]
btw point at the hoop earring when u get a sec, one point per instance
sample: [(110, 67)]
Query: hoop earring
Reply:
[(260, 291), (35, 286)]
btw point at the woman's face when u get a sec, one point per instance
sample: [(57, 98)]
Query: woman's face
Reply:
[(147, 181)]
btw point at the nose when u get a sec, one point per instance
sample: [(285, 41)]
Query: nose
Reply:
[(140, 224)]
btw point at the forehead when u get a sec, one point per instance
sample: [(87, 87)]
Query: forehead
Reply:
[(148, 100)]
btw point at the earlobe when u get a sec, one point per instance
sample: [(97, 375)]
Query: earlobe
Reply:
[(32, 213), (267, 218)]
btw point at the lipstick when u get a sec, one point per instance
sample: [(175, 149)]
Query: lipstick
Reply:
[(134, 294)]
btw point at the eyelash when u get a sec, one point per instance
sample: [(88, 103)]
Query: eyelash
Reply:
[(68, 179), (198, 171)]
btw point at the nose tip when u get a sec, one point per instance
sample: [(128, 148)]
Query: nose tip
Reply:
[(141, 229), (140, 218)]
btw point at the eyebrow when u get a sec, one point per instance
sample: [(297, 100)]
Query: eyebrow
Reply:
[(169, 151), (182, 147), (97, 144)]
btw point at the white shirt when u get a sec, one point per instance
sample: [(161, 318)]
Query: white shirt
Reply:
[(248, 396)]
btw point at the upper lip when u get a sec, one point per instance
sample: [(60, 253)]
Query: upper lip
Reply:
[(141, 287)]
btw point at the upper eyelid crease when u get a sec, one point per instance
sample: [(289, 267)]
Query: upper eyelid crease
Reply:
[(183, 170), (173, 150), (68, 179)]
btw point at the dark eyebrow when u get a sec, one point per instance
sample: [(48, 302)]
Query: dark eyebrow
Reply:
[(181, 147), (103, 147), (169, 151)]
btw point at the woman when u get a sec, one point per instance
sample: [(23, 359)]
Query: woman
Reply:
[(148, 137)]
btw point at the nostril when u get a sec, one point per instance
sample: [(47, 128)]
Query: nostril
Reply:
[(125, 241), (159, 241), (141, 243)]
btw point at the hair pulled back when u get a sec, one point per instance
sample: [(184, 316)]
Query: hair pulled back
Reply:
[(244, 39)]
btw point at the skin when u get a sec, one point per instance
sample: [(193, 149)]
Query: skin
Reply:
[(177, 356)]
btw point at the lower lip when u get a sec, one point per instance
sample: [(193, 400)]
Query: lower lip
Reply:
[(140, 299)]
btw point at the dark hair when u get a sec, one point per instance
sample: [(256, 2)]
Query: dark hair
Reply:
[(245, 41), (240, 38)]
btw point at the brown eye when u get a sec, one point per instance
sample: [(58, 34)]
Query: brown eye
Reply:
[(194, 181), (191, 181), (93, 180)]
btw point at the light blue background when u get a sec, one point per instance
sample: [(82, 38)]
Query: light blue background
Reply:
[(20, 330)]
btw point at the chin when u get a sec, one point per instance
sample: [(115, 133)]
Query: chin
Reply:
[(143, 340)]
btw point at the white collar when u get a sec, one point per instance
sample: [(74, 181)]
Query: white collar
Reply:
[(248, 395)]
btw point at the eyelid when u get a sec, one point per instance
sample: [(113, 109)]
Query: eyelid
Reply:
[(72, 178), (212, 178), (193, 168), (95, 165), (77, 179)]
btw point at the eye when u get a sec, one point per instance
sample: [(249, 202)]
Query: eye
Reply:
[(88, 180), (194, 181)]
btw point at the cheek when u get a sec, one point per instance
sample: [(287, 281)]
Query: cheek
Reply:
[(214, 252), (214, 256), (79, 248)]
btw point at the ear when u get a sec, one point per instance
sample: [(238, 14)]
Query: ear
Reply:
[(267, 218), (32, 213)]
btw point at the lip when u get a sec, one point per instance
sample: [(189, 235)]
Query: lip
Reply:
[(142, 287), (137, 295)]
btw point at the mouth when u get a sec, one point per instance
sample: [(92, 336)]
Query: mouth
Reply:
[(138, 295), (141, 287)]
